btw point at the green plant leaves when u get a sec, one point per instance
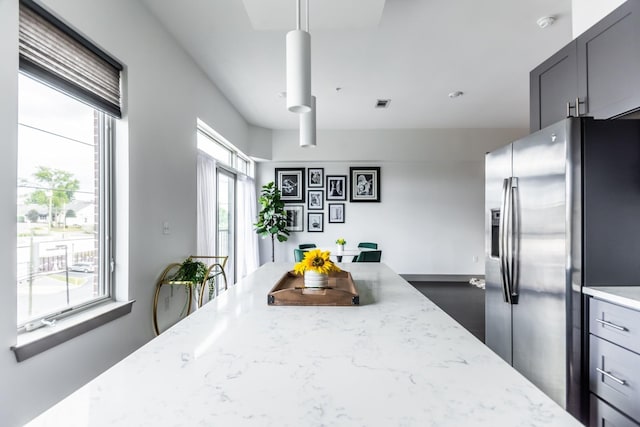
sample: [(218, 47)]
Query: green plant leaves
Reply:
[(191, 271), (272, 219)]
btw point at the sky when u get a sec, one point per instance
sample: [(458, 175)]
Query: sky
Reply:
[(41, 107)]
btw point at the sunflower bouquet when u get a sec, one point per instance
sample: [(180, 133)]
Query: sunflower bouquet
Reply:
[(316, 260)]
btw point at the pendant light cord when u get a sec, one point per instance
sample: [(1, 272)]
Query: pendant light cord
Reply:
[(299, 17), (307, 3)]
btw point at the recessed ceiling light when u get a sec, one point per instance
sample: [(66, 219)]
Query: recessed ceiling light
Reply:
[(456, 94), (545, 21)]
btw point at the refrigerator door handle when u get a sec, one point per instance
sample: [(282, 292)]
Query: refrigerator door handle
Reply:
[(514, 233), (503, 247)]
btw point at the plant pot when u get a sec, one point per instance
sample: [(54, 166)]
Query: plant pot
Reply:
[(340, 248), (313, 279)]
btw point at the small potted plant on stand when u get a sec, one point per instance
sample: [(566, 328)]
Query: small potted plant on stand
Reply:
[(193, 272), (341, 242)]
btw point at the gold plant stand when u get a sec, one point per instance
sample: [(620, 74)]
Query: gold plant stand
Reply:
[(214, 270)]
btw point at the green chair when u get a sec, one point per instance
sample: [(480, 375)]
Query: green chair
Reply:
[(368, 245), (298, 254), (369, 256), (306, 246)]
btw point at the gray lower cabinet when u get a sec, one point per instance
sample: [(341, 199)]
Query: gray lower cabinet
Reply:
[(614, 364), (597, 75), (603, 415)]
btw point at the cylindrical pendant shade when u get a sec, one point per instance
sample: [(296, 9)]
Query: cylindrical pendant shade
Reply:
[(298, 71), (308, 126)]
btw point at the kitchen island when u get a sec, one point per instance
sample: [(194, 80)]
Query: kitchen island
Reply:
[(396, 359)]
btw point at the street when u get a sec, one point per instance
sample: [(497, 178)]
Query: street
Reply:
[(49, 293)]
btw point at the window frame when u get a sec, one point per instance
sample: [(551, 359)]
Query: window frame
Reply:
[(111, 305), (106, 259), (236, 155)]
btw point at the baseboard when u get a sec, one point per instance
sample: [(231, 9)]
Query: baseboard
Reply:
[(440, 277)]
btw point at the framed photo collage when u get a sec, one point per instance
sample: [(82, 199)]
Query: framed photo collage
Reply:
[(311, 188)]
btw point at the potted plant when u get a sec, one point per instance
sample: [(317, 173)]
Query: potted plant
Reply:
[(341, 242), (316, 266), (191, 271), (272, 218)]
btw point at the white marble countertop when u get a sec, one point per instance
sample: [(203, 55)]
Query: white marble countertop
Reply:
[(395, 360), (627, 296)]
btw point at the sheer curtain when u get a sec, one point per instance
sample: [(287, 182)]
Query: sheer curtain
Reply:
[(206, 218), (247, 239)]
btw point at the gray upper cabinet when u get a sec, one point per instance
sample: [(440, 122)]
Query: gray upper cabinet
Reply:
[(597, 75), (609, 63), (554, 88)]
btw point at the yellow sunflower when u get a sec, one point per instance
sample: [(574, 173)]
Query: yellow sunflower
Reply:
[(316, 260)]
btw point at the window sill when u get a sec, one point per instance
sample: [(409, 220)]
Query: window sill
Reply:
[(35, 342)]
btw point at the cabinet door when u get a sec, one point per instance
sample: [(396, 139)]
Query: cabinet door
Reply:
[(603, 415), (553, 84), (609, 64)]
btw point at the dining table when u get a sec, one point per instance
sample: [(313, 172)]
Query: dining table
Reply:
[(339, 255), (396, 359)]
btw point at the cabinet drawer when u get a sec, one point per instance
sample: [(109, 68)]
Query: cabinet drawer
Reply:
[(603, 415), (615, 323), (614, 375)]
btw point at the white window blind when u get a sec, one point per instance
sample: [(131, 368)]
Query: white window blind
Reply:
[(53, 53)]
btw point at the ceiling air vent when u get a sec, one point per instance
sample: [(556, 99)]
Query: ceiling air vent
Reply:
[(383, 103)]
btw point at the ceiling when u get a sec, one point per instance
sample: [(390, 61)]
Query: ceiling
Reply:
[(414, 52)]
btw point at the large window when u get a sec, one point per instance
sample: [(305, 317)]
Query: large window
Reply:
[(227, 218), (63, 172), (69, 92)]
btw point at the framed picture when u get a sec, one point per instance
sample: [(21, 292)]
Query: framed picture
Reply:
[(365, 184), (315, 177), (290, 182), (336, 187), (336, 212), (315, 199), (295, 218), (315, 221)]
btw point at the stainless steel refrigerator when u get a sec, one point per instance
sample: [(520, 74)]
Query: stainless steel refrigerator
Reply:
[(562, 212)]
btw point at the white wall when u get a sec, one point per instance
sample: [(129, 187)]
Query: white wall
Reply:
[(165, 93), (585, 13), (259, 142), (430, 220)]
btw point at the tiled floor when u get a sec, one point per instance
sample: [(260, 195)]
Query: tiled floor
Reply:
[(460, 300)]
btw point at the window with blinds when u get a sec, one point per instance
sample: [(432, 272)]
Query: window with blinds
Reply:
[(52, 52), (68, 102)]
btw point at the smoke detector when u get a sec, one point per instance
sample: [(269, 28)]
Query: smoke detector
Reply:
[(383, 103), (545, 21)]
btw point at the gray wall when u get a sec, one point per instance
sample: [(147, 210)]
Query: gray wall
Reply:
[(165, 93), (430, 220)]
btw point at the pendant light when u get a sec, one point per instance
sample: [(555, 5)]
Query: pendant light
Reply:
[(308, 126), (299, 66)]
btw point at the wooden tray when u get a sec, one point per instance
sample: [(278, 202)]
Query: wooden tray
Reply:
[(290, 290)]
